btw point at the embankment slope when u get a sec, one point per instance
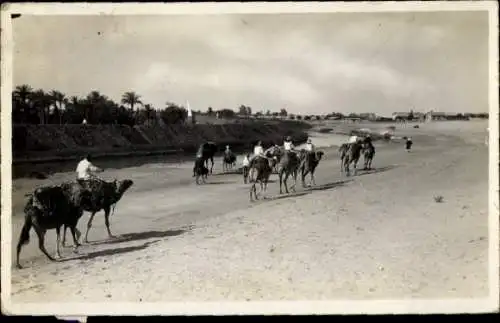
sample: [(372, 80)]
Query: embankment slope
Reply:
[(37, 143)]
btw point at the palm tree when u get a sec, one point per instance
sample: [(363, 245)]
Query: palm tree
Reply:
[(59, 100), (42, 102), (23, 93), (131, 98), (21, 97), (148, 111)]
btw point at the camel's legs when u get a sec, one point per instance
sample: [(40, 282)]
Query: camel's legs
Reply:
[(23, 239), (64, 236), (294, 180), (106, 221), (313, 180), (346, 168), (284, 181), (304, 174), (253, 191), (41, 241), (76, 235), (89, 225), (58, 242), (261, 187), (265, 188), (245, 174), (280, 177), (212, 166)]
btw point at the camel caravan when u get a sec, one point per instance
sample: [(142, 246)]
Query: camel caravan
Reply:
[(61, 206)]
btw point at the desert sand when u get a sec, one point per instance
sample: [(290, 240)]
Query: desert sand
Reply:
[(377, 235)]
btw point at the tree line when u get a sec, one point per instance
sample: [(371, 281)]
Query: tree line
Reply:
[(54, 107), (31, 106), (38, 106)]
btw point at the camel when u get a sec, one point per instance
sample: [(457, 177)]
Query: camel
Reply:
[(246, 171), (200, 171), (274, 151), (264, 168), (102, 195), (289, 165), (352, 157), (228, 160), (48, 208), (206, 152), (308, 165), (368, 154), (343, 152)]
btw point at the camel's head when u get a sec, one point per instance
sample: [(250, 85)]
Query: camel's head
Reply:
[(273, 161), (319, 155), (124, 185)]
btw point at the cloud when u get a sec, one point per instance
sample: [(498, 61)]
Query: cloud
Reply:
[(306, 62)]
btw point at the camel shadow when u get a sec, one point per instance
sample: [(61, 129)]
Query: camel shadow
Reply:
[(110, 252), (229, 172), (134, 236), (220, 183), (284, 196), (327, 186), (375, 170)]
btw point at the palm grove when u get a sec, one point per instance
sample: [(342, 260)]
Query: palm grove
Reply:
[(54, 107)]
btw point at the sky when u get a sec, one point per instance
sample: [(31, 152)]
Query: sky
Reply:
[(312, 63)]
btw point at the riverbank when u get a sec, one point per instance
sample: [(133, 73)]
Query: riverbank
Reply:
[(40, 148)]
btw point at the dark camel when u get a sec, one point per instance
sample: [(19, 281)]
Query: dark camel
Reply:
[(289, 165), (102, 196), (309, 162), (200, 171), (228, 160), (343, 152), (352, 157), (274, 152), (368, 154), (264, 168), (206, 152), (50, 208)]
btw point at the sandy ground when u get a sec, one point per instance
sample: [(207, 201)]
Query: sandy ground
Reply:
[(377, 235)]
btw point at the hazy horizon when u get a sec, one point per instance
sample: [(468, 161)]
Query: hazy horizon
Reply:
[(311, 63)]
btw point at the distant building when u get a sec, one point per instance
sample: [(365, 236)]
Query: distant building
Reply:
[(368, 116), (400, 115), (433, 115)]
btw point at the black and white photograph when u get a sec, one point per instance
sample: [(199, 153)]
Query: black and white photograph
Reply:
[(250, 158)]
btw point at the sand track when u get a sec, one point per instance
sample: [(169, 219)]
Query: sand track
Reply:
[(378, 235)]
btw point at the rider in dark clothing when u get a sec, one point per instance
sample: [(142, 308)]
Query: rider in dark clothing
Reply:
[(409, 143), (368, 142)]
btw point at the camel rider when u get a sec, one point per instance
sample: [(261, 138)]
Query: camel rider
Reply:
[(258, 151), (368, 141), (353, 139), (409, 143), (309, 146), (227, 151), (288, 145), (246, 161), (85, 170)]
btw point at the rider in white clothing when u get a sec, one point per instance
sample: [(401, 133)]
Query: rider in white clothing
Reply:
[(288, 145), (309, 146), (246, 161), (258, 150), (353, 139), (85, 169)]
